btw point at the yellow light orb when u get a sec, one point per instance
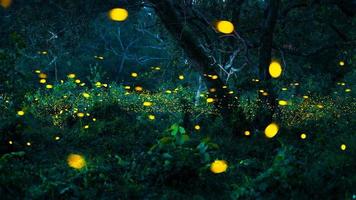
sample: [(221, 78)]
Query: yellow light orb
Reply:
[(303, 136), (77, 81), (138, 88), (275, 69), (282, 102), (147, 103), (343, 147), (43, 81), (71, 75), (49, 86), (86, 126), (80, 115), (225, 27), (247, 133), (209, 100), (271, 130), (151, 117), (305, 97), (134, 74), (5, 3), (76, 161), (197, 127), (212, 90), (181, 77), (86, 95), (348, 90), (218, 166), (214, 77), (57, 138), (42, 75), (98, 84), (118, 14), (37, 71), (341, 63), (20, 113)]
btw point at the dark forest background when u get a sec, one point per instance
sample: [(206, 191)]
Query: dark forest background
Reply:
[(149, 103)]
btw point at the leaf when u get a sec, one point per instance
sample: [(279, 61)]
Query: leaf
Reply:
[(181, 130), (166, 140), (202, 147), (174, 129)]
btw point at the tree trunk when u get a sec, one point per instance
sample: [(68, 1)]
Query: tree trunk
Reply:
[(183, 33)]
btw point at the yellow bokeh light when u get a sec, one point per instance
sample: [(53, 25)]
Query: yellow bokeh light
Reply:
[(214, 77), (283, 102), (80, 114), (76, 161), (134, 74), (71, 75), (275, 69), (147, 103), (320, 106), (151, 117), (77, 81), (305, 97), (181, 77), (37, 71), (343, 147), (341, 63), (218, 166), (42, 75), (118, 14), (20, 113), (209, 100), (43, 81), (303, 136), (348, 90), (5, 3), (98, 84), (86, 126), (49, 86), (271, 130), (197, 127), (138, 88), (86, 95), (247, 133), (225, 27)]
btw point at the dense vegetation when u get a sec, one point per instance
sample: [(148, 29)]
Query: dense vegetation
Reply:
[(179, 100)]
